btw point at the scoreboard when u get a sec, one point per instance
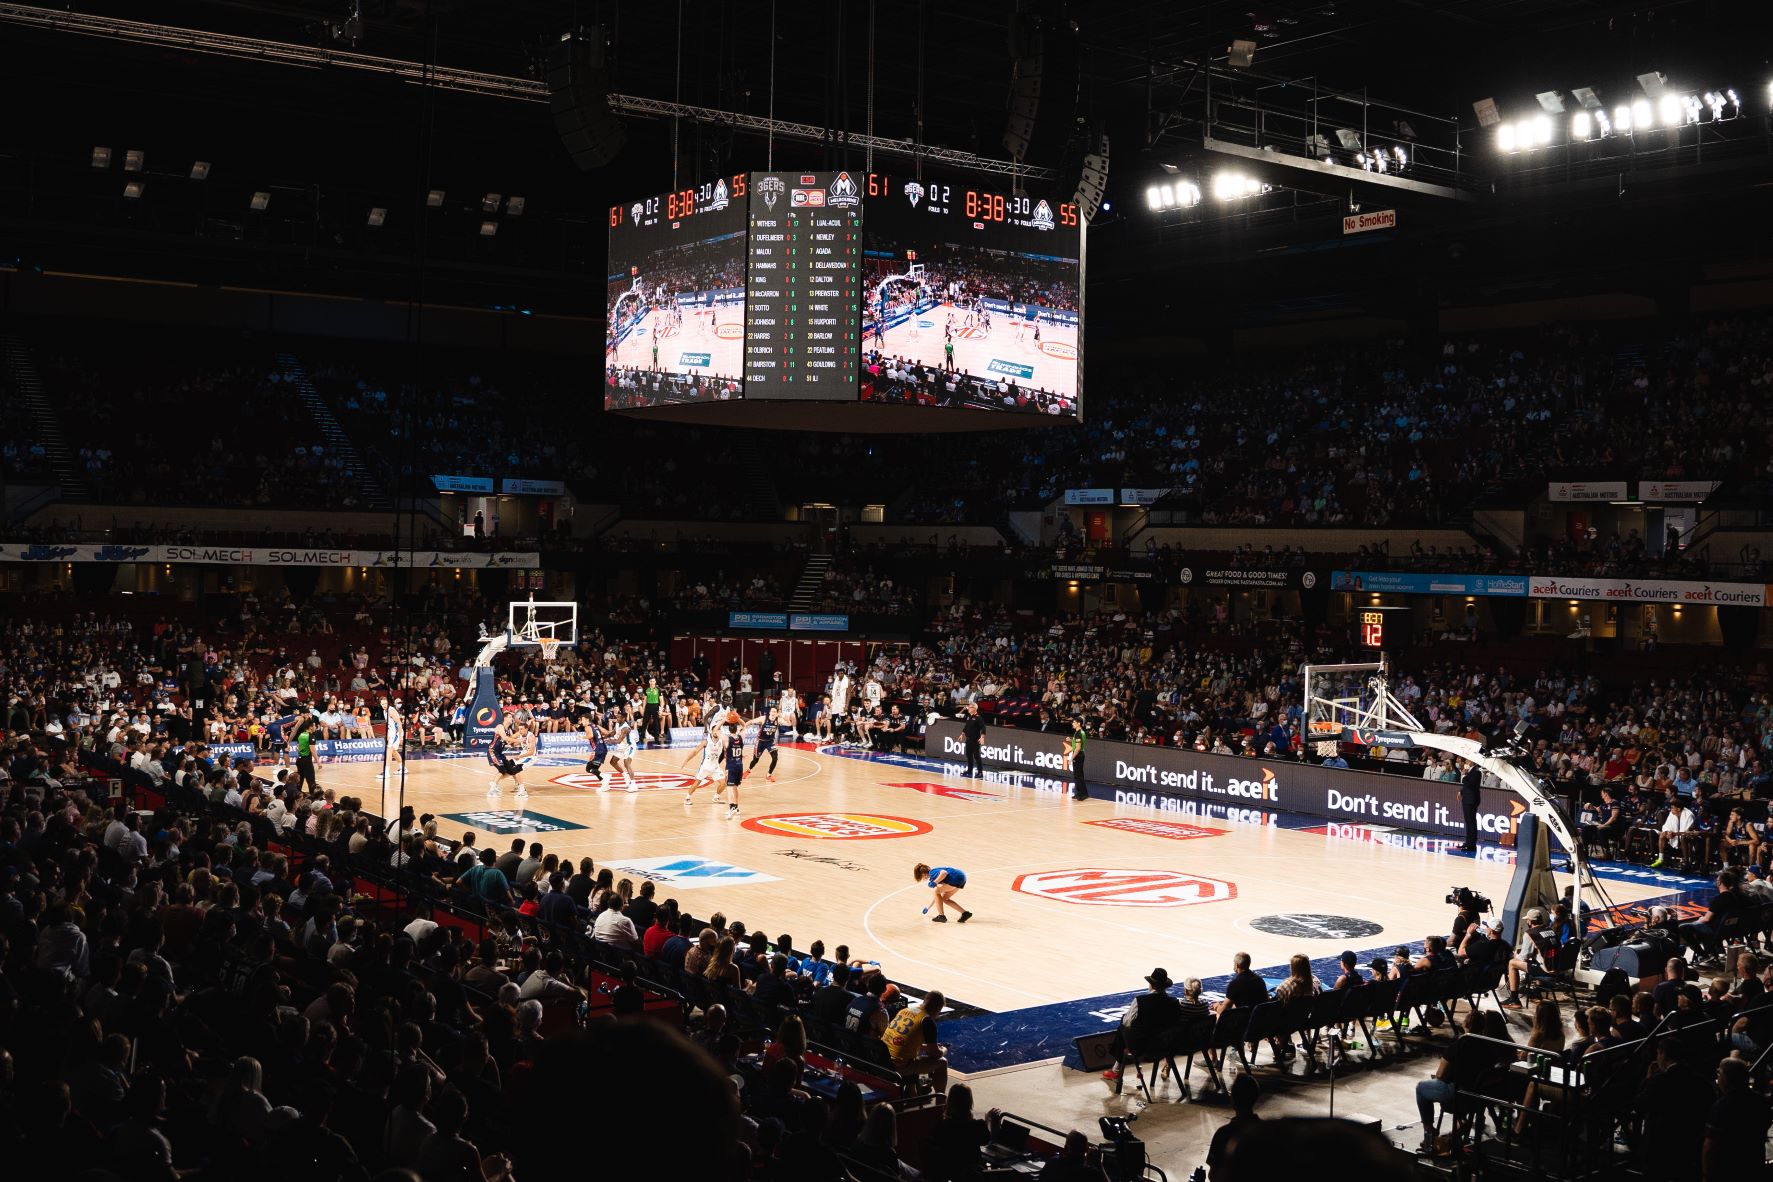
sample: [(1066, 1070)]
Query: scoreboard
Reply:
[(801, 319), (845, 287)]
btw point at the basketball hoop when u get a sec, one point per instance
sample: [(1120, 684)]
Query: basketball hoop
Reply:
[(549, 645)]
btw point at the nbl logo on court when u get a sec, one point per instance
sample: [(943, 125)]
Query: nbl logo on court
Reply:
[(771, 188), (914, 193), (843, 191), (1043, 217)]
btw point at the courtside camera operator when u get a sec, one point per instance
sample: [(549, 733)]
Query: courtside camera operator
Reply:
[(1471, 905)]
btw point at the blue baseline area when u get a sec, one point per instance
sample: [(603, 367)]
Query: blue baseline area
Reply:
[(1015, 1037)]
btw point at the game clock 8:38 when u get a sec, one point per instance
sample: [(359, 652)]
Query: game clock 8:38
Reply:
[(685, 203)]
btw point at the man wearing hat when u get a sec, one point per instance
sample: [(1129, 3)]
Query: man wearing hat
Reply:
[(1146, 1021), (1754, 885)]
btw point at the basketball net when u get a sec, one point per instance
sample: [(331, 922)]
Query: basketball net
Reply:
[(550, 647)]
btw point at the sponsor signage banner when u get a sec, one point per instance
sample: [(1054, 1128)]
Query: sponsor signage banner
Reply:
[(796, 622), (1603, 490), (1411, 583), (1142, 496), (533, 488), (1675, 490), (1379, 219), (463, 484), (1237, 576), (1164, 778), (1650, 591), (266, 556), (1089, 496)]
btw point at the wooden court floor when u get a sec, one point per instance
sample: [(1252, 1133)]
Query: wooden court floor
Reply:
[(1071, 900)]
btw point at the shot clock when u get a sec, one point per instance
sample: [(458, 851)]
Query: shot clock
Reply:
[(1382, 629)]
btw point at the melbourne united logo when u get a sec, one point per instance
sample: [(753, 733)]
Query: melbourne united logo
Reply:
[(635, 210), (1043, 217), (843, 191), (914, 193), (719, 195), (771, 188)]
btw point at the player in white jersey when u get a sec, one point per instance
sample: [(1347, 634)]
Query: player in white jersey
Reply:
[(788, 711), (712, 752), (621, 753), (394, 740)]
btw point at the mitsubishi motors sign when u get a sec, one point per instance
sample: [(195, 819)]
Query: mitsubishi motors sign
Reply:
[(1379, 219), (1649, 591)]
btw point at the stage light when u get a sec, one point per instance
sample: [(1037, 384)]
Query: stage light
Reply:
[(434, 198), (1604, 123), (101, 157), (1107, 205), (1551, 102), (1487, 113), (1693, 107), (1670, 109), (488, 229), (1505, 137), (1640, 115), (200, 170), (1580, 125), (514, 206), (1349, 138), (132, 160), (260, 199), (1379, 159), (132, 189), (489, 203), (1622, 118), (378, 215), (1154, 199), (1541, 130), (1317, 147), (1228, 186), (1734, 101), (1402, 156), (1654, 83), (1587, 97)]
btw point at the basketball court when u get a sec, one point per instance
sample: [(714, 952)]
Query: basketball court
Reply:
[(1073, 900), (1006, 352), (708, 341)]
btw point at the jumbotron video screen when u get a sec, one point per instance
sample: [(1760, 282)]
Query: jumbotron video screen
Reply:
[(674, 326), (970, 298)]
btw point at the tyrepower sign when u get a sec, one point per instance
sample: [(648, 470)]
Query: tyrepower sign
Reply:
[(1379, 219)]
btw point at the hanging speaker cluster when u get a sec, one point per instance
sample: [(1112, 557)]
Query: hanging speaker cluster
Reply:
[(1043, 85), (578, 94), (1092, 185)]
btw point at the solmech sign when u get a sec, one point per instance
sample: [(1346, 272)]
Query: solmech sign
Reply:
[(1140, 776)]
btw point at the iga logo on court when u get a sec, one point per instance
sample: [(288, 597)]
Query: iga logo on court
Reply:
[(837, 826), (1125, 888)]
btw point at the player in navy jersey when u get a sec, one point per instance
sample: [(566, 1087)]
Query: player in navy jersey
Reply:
[(733, 744), (598, 745), (767, 728), (945, 882), (505, 754)]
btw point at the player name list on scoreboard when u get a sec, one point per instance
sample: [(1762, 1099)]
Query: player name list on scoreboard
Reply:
[(803, 271)]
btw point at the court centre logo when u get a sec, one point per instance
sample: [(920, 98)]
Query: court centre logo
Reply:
[(1091, 887), (687, 873), (837, 826), (648, 781)]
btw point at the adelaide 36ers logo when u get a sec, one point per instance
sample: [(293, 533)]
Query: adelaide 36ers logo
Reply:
[(648, 781), (1125, 888), (836, 826), (771, 189)]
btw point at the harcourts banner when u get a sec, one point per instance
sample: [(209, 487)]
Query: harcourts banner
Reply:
[(1410, 583), (1649, 591), (1163, 777)]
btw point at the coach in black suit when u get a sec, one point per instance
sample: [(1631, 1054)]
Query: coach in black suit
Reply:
[(1470, 794)]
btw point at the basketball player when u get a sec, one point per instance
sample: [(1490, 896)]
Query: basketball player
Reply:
[(502, 753), (394, 756), (712, 753), (733, 748), (595, 740), (788, 712), (1037, 332), (621, 753), (766, 741), (945, 882)]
